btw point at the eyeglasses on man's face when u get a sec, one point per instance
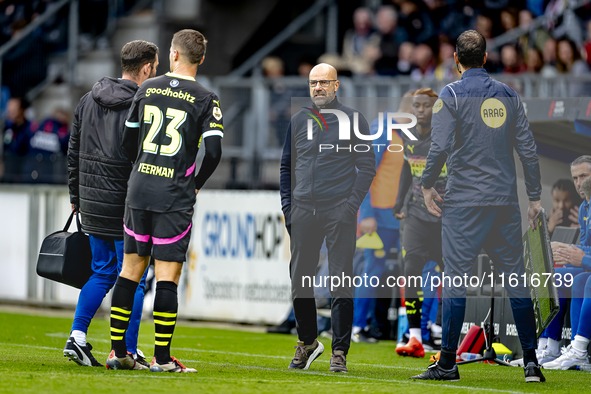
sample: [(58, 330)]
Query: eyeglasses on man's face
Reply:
[(324, 83)]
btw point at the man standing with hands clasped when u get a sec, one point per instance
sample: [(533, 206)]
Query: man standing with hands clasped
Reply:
[(321, 190), (477, 122)]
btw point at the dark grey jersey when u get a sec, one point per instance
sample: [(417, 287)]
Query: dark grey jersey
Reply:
[(167, 121)]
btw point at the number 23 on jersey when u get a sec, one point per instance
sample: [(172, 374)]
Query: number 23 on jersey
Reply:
[(153, 115)]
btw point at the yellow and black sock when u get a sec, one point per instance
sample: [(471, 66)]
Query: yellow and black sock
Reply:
[(413, 310), (165, 311), (121, 306)]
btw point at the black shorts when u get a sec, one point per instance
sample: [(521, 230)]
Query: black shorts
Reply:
[(422, 240), (164, 236)]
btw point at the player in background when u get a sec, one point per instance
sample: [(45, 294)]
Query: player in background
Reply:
[(98, 171), (421, 240), (169, 119), (375, 215)]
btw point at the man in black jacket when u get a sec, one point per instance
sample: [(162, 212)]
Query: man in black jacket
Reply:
[(323, 181), (98, 172)]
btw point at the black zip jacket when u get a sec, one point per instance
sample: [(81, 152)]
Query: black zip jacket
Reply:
[(320, 177), (98, 168)]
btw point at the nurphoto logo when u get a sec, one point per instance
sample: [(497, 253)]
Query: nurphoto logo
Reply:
[(345, 129)]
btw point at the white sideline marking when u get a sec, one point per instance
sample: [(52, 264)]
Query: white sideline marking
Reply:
[(413, 382), (358, 377), (60, 335), (289, 358)]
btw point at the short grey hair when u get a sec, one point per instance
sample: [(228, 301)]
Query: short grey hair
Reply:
[(581, 160)]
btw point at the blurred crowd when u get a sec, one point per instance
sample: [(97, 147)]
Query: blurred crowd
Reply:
[(416, 38), (35, 152)]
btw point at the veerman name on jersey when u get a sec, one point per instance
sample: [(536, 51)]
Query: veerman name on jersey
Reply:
[(171, 93), (156, 170)]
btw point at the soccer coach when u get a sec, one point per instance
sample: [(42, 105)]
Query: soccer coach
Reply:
[(328, 186), (477, 122)]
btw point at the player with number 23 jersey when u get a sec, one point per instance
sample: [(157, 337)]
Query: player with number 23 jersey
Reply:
[(169, 118)]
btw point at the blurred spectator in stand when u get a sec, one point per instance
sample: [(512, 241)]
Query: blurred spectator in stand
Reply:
[(565, 205), (425, 62), (17, 128), (525, 18), (568, 58), (534, 61), (508, 19), (484, 25), (17, 131), (414, 18), (356, 41), (549, 56), (405, 58), (46, 153), (280, 107), (385, 43), (56, 125), (273, 67), (447, 68), (511, 60), (568, 61), (304, 69)]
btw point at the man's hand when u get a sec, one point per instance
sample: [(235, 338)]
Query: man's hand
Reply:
[(555, 219), (557, 245), (574, 216), (534, 208), (569, 255), (399, 216), (430, 196), (369, 225), (73, 208), (196, 191)]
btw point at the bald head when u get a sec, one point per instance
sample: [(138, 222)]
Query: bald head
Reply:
[(323, 71), (323, 84)]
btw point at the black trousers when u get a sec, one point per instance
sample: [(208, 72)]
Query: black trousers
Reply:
[(308, 231), (421, 242)]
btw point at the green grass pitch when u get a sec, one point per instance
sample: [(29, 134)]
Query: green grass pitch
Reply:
[(232, 361)]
